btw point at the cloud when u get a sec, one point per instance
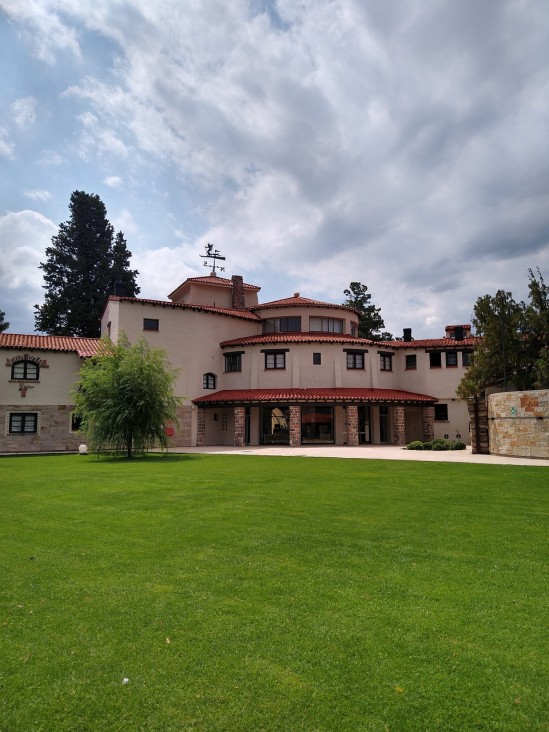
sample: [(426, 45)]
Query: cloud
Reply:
[(24, 111), (113, 181), (39, 195), (6, 145)]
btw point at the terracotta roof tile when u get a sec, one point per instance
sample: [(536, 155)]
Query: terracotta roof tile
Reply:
[(451, 343), (223, 281), (340, 395), (297, 300), (246, 314), (83, 347), (297, 338)]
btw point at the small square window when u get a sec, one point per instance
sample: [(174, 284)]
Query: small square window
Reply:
[(441, 412), (150, 323), (76, 422), (275, 360), (411, 361), (435, 360), (208, 381), (317, 359), (355, 360), (233, 362), (385, 362), (451, 359), (23, 423)]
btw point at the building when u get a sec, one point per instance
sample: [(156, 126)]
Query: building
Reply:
[(291, 371)]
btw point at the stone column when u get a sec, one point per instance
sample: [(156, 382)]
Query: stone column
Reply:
[(399, 432), (239, 426), (428, 423), (478, 424), (200, 427), (352, 425), (295, 426)]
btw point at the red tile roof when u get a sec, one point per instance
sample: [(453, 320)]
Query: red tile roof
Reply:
[(297, 300), (294, 396), (297, 338), (209, 280), (447, 343), (83, 347), (246, 314)]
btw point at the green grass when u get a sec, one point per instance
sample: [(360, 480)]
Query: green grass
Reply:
[(264, 593)]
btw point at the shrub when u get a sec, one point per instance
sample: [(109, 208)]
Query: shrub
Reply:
[(457, 445), (440, 444), (428, 445), (416, 445)]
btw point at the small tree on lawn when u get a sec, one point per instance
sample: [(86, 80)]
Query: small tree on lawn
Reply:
[(125, 397)]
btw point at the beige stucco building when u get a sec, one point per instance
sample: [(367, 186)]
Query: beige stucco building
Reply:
[(290, 371)]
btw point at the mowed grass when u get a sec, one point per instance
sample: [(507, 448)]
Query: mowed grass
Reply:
[(265, 593)]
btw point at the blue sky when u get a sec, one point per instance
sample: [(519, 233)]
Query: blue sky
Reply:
[(314, 143)]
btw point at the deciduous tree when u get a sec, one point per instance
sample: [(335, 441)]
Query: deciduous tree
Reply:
[(3, 325), (82, 266), (125, 397)]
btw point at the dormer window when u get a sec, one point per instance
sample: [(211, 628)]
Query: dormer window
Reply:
[(25, 371)]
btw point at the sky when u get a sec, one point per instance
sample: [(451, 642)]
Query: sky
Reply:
[(403, 144)]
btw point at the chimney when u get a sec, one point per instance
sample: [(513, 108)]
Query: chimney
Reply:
[(119, 289), (458, 333), (407, 334), (238, 293)]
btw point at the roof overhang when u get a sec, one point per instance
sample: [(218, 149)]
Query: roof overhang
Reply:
[(340, 396)]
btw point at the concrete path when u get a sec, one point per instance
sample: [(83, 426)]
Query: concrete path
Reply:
[(372, 452)]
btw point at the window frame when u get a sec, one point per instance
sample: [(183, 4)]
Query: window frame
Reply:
[(209, 380), (409, 362), (444, 408), (435, 355), (282, 325), (317, 359), (454, 355), (466, 358), (384, 359), (25, 362), (327, 325), (233, 362), (354, 358), (275, 360), (147, 322), (24, 416)]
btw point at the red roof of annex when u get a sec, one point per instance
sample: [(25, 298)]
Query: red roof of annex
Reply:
[(83, 347)]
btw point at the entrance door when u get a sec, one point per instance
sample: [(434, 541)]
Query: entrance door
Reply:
[(384, 425), (364, 437)]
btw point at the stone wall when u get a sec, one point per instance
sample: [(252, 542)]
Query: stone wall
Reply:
[(53, 430), (518, 423)]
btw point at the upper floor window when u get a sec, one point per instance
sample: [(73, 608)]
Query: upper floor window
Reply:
[(435, 360), (317, 359), (354, 329), (233, 361), (466, 358), (355, 360), (326, 325), (208, 381), (411, 361), (451, 359), (23, 423), (282, 325), (386, 361), (26, 370), (150, 323), (275, 360)]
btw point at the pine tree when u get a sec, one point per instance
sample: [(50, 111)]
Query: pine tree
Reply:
[(121, 275), (3, 325), (80, 270), (371, 322)]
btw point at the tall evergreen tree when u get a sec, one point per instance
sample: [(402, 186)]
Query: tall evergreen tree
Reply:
[(3, 325), (371, 322), (121, 274), (80, 270)]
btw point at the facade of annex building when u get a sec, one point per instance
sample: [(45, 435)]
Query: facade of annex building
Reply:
[(292, 371)]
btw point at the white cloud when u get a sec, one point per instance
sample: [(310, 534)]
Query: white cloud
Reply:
[(113, 181), (6, 145), (39, 195), (24, 237), (24, 111)]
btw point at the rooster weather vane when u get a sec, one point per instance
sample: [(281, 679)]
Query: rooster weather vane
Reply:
[(214, 254)]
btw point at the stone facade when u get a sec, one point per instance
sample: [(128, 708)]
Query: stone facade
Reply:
[(352, 425), (518, 423), (295, 426), (478, 425), (54, 433), (239, 426), (428, 423), (399, 429)]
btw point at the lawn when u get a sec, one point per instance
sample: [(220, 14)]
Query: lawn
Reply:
[(253, 593)]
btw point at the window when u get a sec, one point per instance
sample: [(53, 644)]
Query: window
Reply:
[(150, 323), (282, 325), (76, 422), (435, 360), (317, 359), (233, 361), (26, 370), (326, 325), (354, 329), (208, 381), (275, 360), (23, 423), (386, 361), (411, 361), (441, 412), (355, 360), (451, 359), (466, 358)]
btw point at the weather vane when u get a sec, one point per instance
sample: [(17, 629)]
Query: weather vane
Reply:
[(214, 254)]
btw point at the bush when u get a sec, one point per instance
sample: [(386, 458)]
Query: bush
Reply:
[(428, 445), (440, 444), (457, 445), (416, 445)]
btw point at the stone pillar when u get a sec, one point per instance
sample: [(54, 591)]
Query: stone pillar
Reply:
[(428, 423), (200, 427), (295, 426), (399, 432), (239, 426), (478, 424), (352, 425)]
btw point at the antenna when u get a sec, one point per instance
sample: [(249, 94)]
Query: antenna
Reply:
[(214, 254)]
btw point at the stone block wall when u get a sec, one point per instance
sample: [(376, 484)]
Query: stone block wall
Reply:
[(53, 430), (518, 423)]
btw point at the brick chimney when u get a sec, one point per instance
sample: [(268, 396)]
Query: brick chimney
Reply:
[(238, 293)]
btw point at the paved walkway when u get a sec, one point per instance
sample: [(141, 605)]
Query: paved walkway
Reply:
[(372, 452)]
